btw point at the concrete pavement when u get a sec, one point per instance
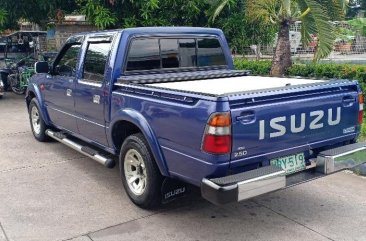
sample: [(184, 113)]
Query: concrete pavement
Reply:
[(50, 192)]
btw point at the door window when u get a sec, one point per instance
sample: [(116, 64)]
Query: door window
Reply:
[(66, 65), (95, 61)]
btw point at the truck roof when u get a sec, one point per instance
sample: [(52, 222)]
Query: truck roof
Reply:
[(159, 30), (194, 30)]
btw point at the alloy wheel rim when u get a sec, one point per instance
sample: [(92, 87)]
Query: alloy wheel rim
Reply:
[(135, 172), (35, 120)]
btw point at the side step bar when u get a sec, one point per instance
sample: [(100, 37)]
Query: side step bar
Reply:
[(85, 150)]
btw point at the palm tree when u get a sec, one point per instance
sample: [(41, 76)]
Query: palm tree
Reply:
[(315, 16)]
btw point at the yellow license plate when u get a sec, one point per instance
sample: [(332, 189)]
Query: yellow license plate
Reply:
[(291, 164)]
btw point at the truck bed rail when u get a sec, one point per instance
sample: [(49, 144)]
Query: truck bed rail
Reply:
[(180, 76)]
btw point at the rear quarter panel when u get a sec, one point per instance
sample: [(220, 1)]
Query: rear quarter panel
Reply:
[(178, 127)]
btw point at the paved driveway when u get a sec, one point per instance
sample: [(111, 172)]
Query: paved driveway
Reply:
[(50, 192)]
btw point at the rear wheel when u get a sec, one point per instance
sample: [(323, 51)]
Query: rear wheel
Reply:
[(140, 175), (38, 125)]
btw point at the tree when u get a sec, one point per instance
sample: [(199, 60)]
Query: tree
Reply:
[(3, 15), (241, 30), (358, 25), (98, 14), (36, 11), (315, 16), (132, 13)]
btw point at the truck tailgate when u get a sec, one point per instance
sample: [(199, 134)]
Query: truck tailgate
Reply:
[(266, 124)]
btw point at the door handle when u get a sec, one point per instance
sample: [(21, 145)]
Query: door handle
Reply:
[(348, 101), (96, 99), (246, 117), (69, 92)]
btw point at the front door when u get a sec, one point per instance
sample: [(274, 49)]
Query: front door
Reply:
[(59, 88), (91, 91)]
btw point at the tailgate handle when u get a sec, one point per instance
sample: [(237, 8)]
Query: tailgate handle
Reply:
[(246, 117), (348, 100)]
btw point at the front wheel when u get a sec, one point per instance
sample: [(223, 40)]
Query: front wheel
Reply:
[(15, 84), (140, 175), (38, 125)]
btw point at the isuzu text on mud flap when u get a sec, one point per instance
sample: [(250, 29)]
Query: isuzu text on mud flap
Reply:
[(168, 106)]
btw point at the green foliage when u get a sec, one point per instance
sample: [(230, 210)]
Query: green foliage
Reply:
[(314, 14), (261, 67), (164, 12), (37, 11), (312, 70), (97, 14), (359, 25), (3, 14), (241, 30), (362, 136), (317, 22)]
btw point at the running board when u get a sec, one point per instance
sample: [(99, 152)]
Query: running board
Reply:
[(85, 150)]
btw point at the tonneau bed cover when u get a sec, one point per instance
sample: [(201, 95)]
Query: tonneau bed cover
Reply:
[(223, 86), (213, 82)]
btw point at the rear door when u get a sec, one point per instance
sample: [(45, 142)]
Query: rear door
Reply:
[(91, 92), (272, 124)]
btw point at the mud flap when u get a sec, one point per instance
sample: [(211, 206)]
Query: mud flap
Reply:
[(173, 189)]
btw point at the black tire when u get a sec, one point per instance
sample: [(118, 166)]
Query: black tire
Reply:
[(4, 78), (14, 84), (39, 134), (151, 196)]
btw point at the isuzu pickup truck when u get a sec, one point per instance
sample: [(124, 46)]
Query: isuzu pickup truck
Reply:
[(167, 104)]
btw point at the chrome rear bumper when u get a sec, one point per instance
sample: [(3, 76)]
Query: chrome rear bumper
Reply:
[(341, 158), (267, 179)]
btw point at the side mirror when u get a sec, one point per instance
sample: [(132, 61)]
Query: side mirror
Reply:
[(41, 67)]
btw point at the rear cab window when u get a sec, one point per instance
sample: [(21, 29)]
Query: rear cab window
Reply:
[(167, 54)]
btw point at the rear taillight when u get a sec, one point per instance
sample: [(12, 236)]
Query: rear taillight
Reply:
[(360, 113), (217, 136)]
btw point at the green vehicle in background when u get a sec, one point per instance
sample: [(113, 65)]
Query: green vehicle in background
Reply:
[(20, 51)]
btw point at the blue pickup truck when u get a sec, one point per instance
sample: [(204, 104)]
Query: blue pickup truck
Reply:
[(166, 104)]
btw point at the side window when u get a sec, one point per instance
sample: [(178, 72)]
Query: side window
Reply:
[(210, 53), (66, 65), (169, 53), (144, 54), (187, 52), (95, 61)]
